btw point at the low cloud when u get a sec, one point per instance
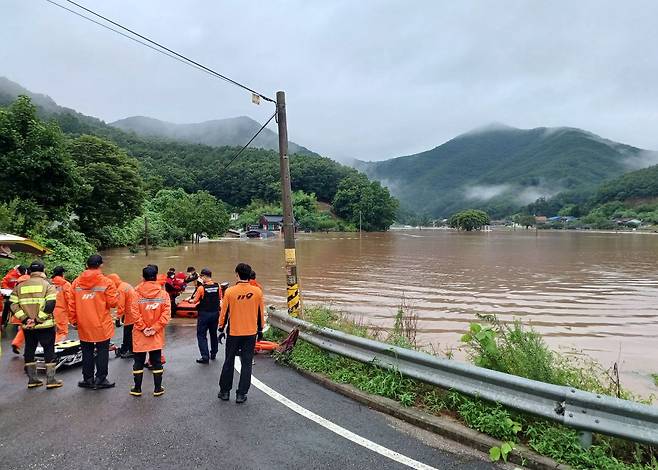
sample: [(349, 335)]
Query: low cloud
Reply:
[(530, 194), (482, 192), (521, 194), (642, 159)]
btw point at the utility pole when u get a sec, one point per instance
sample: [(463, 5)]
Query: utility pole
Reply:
[(286, 201), (359, 223), (146, 235)]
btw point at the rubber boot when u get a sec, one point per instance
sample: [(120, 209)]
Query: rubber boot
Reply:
[(157, 381), (138, 375), (33, 381), (51, 381)]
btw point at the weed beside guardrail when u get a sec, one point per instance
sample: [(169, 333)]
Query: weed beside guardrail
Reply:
[(548, 438)]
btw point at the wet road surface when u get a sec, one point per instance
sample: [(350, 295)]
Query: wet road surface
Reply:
[(189, 427)]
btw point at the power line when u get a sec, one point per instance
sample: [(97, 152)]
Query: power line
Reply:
[(247, 144), (179, 57)]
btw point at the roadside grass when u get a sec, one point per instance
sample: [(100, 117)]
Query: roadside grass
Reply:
[(513, 349), (655, 379)]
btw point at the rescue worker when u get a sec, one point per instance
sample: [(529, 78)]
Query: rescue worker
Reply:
[(19, 339), (152, 311), (243, 316), (93, 295), (124, 313), (33, 304), (206, 298), (61, 306), (8, 283)]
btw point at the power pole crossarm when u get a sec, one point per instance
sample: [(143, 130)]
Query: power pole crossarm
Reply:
[(286, 200)]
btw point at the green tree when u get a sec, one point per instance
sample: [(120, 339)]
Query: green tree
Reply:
[(115, 186), (357, 197), (209, 215), (34, 161), (470, 219), (524, 220)]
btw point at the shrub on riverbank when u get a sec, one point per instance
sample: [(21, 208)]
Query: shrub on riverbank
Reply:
[(512, 349)]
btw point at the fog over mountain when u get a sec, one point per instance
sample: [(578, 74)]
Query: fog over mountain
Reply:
[(500, 168), (233, 131)]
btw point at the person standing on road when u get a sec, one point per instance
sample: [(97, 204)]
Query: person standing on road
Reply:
[(7, 284), (93, 294), (151, 310), (243, 316), (124, 313), (62, 305), (19, 339), (206, 298), (33, 304)]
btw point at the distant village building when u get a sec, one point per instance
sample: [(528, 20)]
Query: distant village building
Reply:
[(272, 223), (541, 219), (234, 216)]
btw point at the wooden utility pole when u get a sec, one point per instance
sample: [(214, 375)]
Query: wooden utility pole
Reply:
[(146, 235), (286, 200)]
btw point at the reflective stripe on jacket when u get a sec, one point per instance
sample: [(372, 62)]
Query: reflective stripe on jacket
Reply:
[(29, 299)]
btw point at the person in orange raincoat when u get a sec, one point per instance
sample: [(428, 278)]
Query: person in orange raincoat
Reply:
[(19, 339), (93, 294), (126, 294), (8, 283), (151, 310), (61, 304)]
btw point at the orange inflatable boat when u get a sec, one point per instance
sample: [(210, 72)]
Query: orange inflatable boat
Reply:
[(186, 309)]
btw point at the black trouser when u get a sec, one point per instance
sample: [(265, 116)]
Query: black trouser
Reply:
[(155, 358), (5, 311), (100, 360), (172, 298), (127, 343), (43, 336), (207, 323), (242, 346)]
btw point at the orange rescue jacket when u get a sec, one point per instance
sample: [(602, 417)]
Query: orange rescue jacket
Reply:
[(13, 320), (62, 303), (126, 294), (93, 294), (151, 308), (243, 310)]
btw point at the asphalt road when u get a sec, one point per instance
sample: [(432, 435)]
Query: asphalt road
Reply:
[(189, 427)]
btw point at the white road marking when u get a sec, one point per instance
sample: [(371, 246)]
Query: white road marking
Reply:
[(333, 427)]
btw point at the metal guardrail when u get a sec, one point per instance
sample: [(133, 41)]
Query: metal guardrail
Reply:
[(585, 411)]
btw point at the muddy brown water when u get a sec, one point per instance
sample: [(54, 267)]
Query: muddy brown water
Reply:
[(591, 292)]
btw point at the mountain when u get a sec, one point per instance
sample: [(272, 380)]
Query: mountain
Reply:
[(234, 132), (500, 168), (218, 133)]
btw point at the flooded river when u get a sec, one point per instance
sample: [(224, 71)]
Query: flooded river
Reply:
[(595, 292)]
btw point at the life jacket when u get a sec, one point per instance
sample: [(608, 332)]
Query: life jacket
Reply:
[(210, 300)]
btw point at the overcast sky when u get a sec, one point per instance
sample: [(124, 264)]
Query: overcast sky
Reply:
[(364, 79)]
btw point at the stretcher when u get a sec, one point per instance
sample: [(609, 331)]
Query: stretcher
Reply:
[(67, 354)]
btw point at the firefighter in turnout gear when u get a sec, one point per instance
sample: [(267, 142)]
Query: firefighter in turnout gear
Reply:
[(33, 304), (151, 311)]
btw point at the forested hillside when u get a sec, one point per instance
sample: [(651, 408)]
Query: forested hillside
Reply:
[(500, 169), (220, 132)]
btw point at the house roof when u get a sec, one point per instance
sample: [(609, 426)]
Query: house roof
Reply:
[(273, 218)]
